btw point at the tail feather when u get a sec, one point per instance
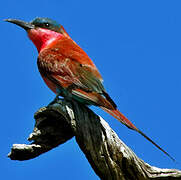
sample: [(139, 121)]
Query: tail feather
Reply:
[(120, 117), (155, 144), (108, 105)]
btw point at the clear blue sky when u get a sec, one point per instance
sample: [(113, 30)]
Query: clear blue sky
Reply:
[(137, 47)]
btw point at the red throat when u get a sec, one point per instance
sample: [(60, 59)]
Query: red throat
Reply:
[(43, 37)]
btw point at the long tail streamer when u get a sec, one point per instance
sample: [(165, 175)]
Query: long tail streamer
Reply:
[(120, 117)]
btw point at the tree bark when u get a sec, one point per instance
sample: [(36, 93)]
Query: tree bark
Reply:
[(109, 157)]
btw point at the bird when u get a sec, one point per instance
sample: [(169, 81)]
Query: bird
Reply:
[(68, 71)]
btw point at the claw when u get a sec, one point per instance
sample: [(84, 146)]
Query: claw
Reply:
[(55, 100)]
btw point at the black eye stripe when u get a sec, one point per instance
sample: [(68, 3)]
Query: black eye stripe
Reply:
[(47, 24), (44, 24)]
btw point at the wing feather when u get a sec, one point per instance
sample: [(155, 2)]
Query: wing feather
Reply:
[(65, 64)]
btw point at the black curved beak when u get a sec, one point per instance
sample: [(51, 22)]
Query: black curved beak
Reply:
[(23, 24)]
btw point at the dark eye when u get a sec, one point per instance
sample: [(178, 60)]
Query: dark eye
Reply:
[(46, 24)]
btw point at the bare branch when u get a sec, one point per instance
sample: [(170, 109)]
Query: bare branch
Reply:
[(108, 155)]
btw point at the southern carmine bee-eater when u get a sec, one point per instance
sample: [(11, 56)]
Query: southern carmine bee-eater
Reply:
[(67, 69)]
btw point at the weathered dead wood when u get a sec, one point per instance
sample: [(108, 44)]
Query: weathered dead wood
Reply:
[(108, 155)]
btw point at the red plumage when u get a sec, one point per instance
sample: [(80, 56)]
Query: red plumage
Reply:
[(63, 64), (67, 69)]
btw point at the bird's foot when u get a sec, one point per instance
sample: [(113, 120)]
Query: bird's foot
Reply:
[(56, 99)]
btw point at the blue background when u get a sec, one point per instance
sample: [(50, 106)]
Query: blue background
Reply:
[(136, 45)]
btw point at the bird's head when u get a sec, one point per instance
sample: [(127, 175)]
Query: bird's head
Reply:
[(42, 31)]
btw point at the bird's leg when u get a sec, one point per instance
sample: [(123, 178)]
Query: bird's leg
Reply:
[(58, 93), (56, 97), (62, 92)]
